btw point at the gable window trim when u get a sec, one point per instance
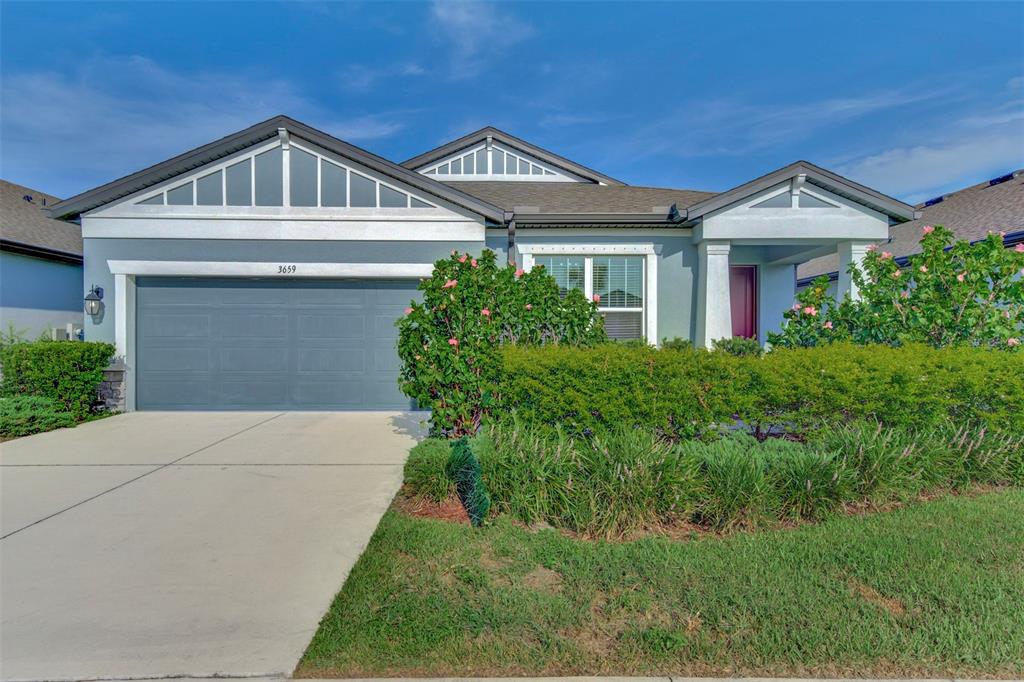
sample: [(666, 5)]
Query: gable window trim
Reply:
[(250, 154), (529, 252)]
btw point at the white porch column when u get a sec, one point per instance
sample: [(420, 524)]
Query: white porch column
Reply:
[(714, 306), (850, 252)]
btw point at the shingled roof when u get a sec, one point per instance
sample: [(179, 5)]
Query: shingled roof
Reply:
[(26, 226), (971, 213), (579, 197)]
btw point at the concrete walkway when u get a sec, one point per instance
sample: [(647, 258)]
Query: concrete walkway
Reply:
[(185, 544)]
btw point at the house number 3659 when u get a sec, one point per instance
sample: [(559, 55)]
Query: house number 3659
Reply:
[(285, 269)]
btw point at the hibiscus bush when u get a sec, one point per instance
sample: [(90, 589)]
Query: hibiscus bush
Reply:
[(449, 344), (949, 294)]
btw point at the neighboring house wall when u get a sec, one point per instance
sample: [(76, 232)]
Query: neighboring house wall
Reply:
[(38, 294)]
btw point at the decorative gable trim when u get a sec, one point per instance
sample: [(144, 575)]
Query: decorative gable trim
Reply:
[(261, 132), (813, 175), (517, 145)]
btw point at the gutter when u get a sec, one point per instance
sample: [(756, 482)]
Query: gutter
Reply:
[(34, 251), (1011, 239)]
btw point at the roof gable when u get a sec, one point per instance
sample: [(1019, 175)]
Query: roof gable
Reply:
[(256, 134), (895, 209), (532, 154)]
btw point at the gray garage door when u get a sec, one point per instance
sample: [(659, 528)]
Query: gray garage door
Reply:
[(223, 344)]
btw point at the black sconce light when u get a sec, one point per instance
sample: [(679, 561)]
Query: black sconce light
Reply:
[(94, 301)]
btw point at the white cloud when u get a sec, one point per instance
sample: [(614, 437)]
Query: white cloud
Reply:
[(66, 132), (919, 172), (475, 32), (734, 127), (360, 77)]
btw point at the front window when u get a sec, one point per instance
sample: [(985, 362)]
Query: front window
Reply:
[(617, 280)]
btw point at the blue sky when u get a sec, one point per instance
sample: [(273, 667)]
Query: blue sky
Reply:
[(912, 99)]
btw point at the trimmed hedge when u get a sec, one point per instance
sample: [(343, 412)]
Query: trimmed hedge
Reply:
[(66, 372), (684, 394)]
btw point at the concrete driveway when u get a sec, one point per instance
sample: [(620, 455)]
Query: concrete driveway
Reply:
[(168, 544)]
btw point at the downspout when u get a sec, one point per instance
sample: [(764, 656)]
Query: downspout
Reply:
[(510, 223)]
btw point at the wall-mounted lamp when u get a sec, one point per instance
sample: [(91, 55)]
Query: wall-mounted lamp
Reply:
[(94, 301)]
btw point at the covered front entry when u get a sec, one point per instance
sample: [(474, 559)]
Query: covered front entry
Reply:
[(268, 344)]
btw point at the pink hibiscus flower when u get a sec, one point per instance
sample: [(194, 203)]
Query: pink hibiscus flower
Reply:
[(450, 284), (529, 306), (927, 229), (810, 310), (408, 310), (597, 298), (520, 272), (1012, 341), (827, 325), (485, 312), (1019, 248), (871, 247), (896, 275), (462, 258), (473, 262), (961, 276), (453, 342), (886, 255), (923, 268)]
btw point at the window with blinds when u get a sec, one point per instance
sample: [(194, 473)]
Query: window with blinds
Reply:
[(568, 271), (617, 280)]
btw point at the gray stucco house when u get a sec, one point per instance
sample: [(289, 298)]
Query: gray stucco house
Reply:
[(40, 265), (266, 269)]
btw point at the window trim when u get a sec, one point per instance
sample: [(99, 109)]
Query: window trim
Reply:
[(529, 252)]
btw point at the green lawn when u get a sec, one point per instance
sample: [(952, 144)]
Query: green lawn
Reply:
[(935, 589)]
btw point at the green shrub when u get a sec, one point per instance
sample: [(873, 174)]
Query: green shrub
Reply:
[(948, 294), (24, 415), (738, 346), (677, 343), (463, 470), (682, 394), (67, 372), (449, 343)]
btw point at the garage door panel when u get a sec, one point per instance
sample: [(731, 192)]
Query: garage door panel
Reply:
[(269, 344), (179, 359), (174, 393), (333, 325), (246, 359), (252, 325), (161, 324), (332, 360), (249, 392)]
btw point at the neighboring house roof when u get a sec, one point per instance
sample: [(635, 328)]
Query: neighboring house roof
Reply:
[(894, 208), (504, 138), (971, 213), (27, 228), (583, 200), (73, 207)]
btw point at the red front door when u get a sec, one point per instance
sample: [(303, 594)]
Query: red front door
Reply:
[(743, 294)]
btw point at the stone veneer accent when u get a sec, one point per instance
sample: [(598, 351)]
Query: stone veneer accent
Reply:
[(111, 390)]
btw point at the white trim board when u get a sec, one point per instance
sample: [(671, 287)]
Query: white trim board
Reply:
[(281, 270), (276, 228)]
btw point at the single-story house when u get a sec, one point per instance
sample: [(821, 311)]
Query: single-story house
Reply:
[(996, 205), (266, 269), (40, 266)]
